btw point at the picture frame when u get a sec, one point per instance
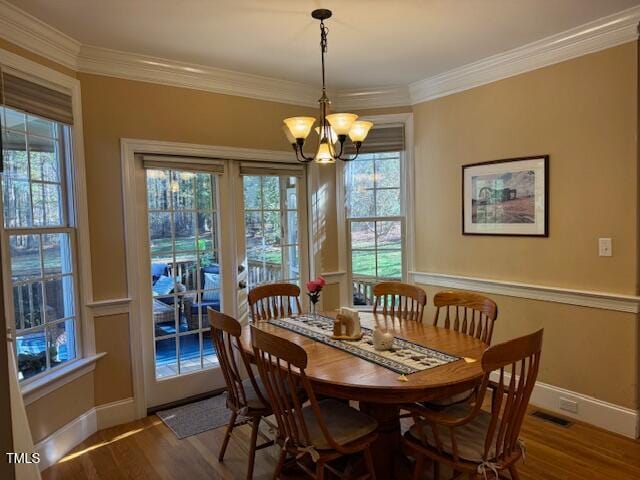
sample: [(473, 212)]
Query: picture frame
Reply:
[(508, 197)]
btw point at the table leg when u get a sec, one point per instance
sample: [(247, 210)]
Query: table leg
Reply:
[(387, 448)]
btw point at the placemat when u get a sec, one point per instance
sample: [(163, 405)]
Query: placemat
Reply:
[(405, 357)]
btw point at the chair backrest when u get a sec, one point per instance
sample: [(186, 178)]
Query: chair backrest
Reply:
[(275, 300), (225, 331), (282, 364), (466, 312), (402, 299), (517, 363)]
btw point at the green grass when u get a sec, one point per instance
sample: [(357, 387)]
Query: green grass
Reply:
[(363, 263)]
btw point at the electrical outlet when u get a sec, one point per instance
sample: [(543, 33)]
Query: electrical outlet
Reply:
[(568, 405), (605, 249)]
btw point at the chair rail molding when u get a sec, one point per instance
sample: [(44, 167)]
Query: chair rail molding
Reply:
[(113, 306), (26, 31), (583, 298)]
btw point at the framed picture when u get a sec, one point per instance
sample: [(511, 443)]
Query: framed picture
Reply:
[(506, 197)]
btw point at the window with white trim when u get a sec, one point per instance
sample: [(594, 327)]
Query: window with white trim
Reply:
[(39, 240), (374, 194)]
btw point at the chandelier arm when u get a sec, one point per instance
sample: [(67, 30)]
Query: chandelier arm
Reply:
[(300, 156)]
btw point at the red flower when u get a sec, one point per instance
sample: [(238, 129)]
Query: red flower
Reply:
[(315, 286)]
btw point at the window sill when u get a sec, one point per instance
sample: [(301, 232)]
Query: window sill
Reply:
[(50, 382)]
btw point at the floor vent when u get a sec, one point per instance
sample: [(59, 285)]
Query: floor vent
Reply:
[(547, 417)]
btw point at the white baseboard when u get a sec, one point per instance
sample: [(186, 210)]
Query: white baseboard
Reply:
[(63, 440), (115, 413), (60, 442), (608, 416)]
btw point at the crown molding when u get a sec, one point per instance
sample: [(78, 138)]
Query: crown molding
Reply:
[(26, 31), (591, 37), (394, 96), (131, 66)]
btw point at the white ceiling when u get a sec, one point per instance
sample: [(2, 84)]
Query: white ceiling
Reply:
[(372, 43)]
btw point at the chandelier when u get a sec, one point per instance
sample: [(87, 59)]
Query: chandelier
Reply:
[(334, 128)]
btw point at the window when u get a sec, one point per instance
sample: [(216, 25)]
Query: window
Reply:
[(39, 237), (271, 228), (375, 221)]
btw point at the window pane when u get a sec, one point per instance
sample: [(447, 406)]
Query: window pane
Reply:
[(27, 305), (291, 202), (61, 342), (16, 163), (271, 192), (166, 360), (388, 203), (60, 299), (17, 203), (43, 157), (361, 203), (206, 232), (14, 120), (189, 353), (363, 263), (390, 264), (292, 265), (388, 173), (183, 190), (32, 357), (25, 256), (389, 235), (208, 350), (46, 204), (158, 189), (56, 253), (205, 193), (272, 229), (40, 126), (160, 235), (291, 227), (185, 231), (363, 235), (253, 230), (252, 192)]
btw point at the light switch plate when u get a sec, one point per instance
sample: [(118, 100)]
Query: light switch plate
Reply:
[(605, 248)]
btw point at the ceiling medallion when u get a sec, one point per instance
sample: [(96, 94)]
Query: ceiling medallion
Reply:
[(334, 127)]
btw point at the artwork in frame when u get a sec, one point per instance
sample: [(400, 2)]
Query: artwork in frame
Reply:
[(506, 197)]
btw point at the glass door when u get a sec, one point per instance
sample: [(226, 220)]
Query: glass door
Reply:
[(183, 227), (272, 235)]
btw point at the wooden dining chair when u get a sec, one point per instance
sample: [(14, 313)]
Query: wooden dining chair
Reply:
[(472, 441), (466, 312), (244, 397), (401, 299), (275, 300), (469, 313), (325, 430)]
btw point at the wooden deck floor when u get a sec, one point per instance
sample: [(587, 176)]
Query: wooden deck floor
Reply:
[(147, 449)]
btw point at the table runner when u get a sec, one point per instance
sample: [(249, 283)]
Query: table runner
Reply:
[(405, 357)]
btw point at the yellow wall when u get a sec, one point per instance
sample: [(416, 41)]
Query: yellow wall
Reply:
[(115, 109), (55, 410), (583, 114)]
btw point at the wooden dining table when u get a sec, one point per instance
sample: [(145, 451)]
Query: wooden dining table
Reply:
[(380, 391)]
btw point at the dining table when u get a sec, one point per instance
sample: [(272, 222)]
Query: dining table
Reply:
[(381, 391)]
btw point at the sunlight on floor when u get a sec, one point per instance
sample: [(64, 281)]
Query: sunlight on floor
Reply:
[(75, 455)]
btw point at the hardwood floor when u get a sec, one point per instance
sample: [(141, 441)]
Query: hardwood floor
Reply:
[(147, 449)]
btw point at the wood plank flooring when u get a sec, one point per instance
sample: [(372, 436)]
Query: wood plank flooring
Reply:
[(147, 449)]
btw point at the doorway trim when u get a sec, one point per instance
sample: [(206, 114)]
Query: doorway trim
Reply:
[(129, 147)]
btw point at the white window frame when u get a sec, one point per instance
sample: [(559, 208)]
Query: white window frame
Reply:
[(344, 274), (52, 379)]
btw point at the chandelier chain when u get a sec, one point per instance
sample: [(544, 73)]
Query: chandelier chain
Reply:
[(323, 49)]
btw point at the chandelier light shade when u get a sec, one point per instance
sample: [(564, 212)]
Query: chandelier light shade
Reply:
[(333, 128)]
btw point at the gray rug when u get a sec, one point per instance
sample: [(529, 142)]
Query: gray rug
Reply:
[(197, 417)]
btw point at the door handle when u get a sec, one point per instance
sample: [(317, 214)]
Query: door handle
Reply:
[(242, 284)]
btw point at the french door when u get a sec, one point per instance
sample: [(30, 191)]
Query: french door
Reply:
[(214, 229)]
